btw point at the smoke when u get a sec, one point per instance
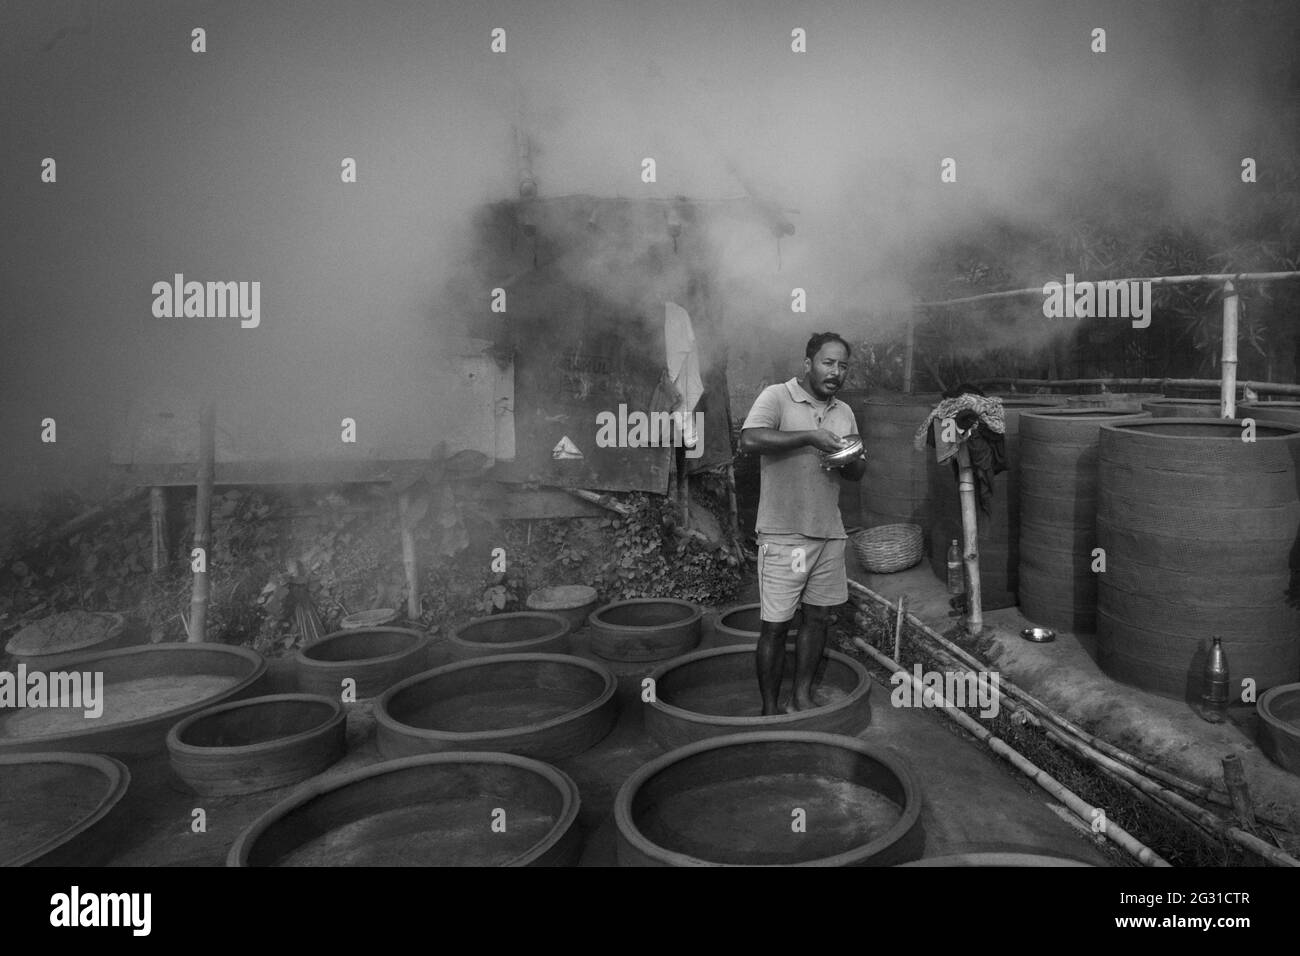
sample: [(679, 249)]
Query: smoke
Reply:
[(225, 166)]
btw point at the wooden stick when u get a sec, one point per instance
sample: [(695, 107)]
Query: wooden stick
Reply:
[(733, 513), (934, 373), (198, 622), (683, 487), (604, 501), (1234, 778), (898, 627), (1154, 280), (87, 518), (1081, 808), (1228, 385), (158, 528), (909, 352), (970, 531), (408, 556), (1172, 801)]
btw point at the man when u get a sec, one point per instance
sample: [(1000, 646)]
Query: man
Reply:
[(800, 535)]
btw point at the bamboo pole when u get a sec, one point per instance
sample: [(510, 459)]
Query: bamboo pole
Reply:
[(87, 518), (1234, 778), (898, 628), (970, 531), (1154, 280), (960, 655), (409, 563), (1228, 361), (909, 353), (1084, 811), (683, 487), (1210, 821), (1277, 388), (197, 625), (603, 501), (733, 514), (158, 528)]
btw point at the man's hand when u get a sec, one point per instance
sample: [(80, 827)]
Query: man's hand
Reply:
[(824, 441)]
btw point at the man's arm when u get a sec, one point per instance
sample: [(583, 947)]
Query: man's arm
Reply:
[(763, 441)]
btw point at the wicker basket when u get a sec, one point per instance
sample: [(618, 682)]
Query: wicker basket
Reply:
[(889, 547)]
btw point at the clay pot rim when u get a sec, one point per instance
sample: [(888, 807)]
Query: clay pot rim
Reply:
[(998, 859), (19, 744), (538, 594), (177, 745), (1097, 411), (1265, 708), (911, 795), (696, 614), (27, 657), (387, 721), (571, 798), (1232, 428), (302, 659), (559, 629), (772, 721), (118, 778), (733, 609)]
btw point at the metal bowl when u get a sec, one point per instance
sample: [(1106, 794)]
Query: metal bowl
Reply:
[(845, 455), (1039, 635)]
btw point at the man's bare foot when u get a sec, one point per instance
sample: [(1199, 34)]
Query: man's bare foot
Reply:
[(789, 708), (803, 703)]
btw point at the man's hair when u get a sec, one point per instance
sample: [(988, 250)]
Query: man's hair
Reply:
[(821, 338)]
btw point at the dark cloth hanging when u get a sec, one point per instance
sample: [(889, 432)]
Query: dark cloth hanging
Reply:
[(987, 448)]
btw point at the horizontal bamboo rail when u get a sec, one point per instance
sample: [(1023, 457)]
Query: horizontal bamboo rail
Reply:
[(1114, 761), (1080, 807), (1277, 388), (1154, 280)]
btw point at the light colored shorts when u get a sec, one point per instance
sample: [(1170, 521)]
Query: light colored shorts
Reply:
[(793, 569)]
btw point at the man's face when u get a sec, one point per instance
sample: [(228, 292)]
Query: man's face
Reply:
[(825, 372)]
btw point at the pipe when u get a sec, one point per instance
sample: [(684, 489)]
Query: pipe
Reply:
[(1228, 384), (1046, 781)]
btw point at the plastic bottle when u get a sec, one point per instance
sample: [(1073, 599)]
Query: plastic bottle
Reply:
[(956, 579), (1214, 682)]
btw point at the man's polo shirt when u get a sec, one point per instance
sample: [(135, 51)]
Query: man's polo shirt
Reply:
[(796, 495)]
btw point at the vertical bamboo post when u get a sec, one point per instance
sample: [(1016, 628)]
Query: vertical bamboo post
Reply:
[(909, 352), (970, 532), (733, 514), (1228, 384), (1234, 779), (898, 629), (158, 527), (684, 486), (408, 556), (203, 521)]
